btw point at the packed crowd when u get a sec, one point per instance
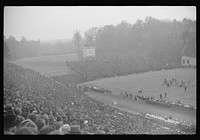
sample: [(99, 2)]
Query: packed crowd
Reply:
[(36, 104), (110, 66)]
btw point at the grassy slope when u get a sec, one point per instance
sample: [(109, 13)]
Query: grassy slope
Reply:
[(48, 65)]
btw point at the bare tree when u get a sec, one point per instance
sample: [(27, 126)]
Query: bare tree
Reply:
[(77, 38)]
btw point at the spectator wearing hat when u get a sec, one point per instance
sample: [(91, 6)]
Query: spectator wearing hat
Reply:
[(8, 107), (59, 118), (11, 130), (106, 129), (56, 132), (9, 119), (27, 103), (40, 123), (26, 131), (25, 112), (58, 125), (33, 117), (65, 128), (18, 120), (7, 132), (46, 118), (28, 123), (18, 111), (45, 130), (51, 119), (75, 129)]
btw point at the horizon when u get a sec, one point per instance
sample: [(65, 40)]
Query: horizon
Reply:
[(60, 22)]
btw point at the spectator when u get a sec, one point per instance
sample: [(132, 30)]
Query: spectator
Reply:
[(56, 132), (18, 111), (65, 128), (33, 117), (75, 129), (18, 120), (25, 112), (59, 118), (40, 123), (9, 119), (51, 119), (45, 130), (46, 118), (58, 125), (28, 123), (26, 131)]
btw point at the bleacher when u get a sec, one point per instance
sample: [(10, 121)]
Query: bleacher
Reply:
[(30, 96)]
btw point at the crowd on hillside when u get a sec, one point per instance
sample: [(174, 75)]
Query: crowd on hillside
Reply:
[(36, 104), (111, 66)]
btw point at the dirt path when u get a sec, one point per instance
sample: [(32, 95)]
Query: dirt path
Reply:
[(141, 107)]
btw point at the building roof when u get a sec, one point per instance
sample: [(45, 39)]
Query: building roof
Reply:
[(189, 48)]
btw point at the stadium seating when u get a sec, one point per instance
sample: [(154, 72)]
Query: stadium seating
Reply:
[(110, 66), (52, 102)]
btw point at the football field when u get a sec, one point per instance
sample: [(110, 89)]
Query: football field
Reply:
[(151, 85)]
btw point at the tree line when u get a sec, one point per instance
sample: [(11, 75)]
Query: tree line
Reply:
[(161, 40), (14, 49)]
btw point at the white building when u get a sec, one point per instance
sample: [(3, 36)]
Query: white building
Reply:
[(188, 61), (189, 52)]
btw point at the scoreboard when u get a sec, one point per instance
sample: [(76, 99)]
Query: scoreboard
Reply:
[(88, 51)]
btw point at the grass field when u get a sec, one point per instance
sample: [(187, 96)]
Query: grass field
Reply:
[(148, 82), (48, 65)]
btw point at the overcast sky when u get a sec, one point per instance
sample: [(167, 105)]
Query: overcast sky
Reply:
[(48, 23)]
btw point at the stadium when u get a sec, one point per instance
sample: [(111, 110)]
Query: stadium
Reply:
[(110, 102), (121, 82)]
